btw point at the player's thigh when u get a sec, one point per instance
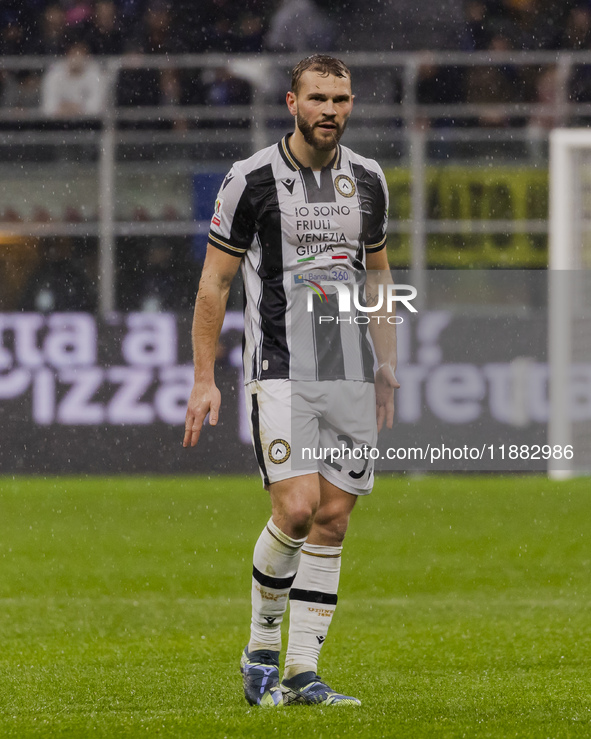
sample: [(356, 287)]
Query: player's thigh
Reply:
[(349, 431), (273, 410)]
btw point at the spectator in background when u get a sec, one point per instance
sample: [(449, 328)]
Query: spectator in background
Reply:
[(534, 24), (12, 37), (156, 31), (18, 23), (104, 35), (24, 12), (221, 25), (225, 27), (138, 87), (222, 87), (225, 89), (218, 35), (73, 86), (576, 32), (156, 35), (299, 25), (495, 84), (50, 36), (19, 89), (440, 85), (296, 25), (189, 22), (78, 13), (249, 34), (219, 18), (131, 11), (547, 93), (477, 38)]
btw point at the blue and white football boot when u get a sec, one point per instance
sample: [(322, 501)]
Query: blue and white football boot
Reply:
[(260, 673), (308, 688)]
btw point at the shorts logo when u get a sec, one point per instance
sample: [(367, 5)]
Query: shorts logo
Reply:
[(345, 186), (279, 451)]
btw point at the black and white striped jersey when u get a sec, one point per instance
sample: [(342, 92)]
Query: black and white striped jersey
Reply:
[(298, 233)]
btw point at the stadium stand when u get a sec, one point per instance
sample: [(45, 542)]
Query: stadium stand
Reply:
[(198, 117)]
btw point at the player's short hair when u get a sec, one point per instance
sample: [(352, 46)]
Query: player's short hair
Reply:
[(321, 63)]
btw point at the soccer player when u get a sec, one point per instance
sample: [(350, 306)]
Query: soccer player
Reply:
[(302, 217)]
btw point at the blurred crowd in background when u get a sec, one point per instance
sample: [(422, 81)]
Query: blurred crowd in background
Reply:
[(80, 30), (163, 26), (158, 274)]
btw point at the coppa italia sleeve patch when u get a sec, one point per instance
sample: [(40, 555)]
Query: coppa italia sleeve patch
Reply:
[(215, 221)]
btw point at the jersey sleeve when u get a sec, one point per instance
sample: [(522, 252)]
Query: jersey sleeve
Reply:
[(377, 227), (233, 224)]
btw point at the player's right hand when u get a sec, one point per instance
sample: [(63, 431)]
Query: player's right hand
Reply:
[(205, 398), (385, 384)]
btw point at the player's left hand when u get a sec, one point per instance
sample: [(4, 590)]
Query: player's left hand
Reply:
[(205, 398), (385, 383)]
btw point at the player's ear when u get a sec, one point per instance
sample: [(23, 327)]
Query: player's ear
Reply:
[(290, 99)]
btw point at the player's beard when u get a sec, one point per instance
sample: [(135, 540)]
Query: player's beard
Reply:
[(317, 142)]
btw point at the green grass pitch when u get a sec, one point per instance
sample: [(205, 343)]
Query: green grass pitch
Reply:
[(464, 610)]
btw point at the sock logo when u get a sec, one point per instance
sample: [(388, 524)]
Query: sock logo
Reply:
[(270, 619), (321, 639)]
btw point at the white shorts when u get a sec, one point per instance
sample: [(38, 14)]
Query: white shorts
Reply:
[(300, 427)]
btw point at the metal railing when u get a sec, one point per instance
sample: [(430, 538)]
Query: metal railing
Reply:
[(398, 125)]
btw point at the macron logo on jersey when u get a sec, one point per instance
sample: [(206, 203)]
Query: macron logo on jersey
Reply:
[(288, 185)]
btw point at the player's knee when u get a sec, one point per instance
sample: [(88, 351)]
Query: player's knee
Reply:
[(299, 515), (333, 525), (295, 503), (294, 516)]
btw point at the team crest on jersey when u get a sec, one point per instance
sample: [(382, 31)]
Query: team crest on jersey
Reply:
[(279, 451), (345, 186)]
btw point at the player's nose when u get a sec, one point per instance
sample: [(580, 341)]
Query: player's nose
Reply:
[(329, 108)]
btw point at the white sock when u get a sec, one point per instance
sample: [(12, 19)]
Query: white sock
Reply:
[(312, 602), (275, 563)]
